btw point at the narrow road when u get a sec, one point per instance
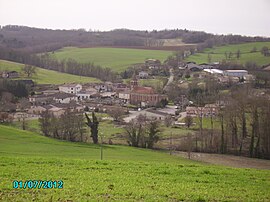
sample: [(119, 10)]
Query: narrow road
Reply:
[(170, 80)]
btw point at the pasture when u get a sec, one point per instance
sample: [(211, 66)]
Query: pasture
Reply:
[(44, 76), (118, 59), (125, 173), (246, 54)]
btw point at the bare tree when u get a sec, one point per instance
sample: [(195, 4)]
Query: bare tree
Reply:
[(29, 70), (188, 121), (168, 120)]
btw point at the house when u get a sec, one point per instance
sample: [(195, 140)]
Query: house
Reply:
[(124, 95), (152, 62), (64, 97), (38, 109), (82, 95), (193, 67), (10, 74), (70, 88), (143, 75), (101, 87), (236, 73), (41, 99)]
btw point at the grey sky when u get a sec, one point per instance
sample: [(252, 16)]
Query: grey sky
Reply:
[(247, 17)]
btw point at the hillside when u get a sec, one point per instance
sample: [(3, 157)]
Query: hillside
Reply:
[(116, 58), (44, 76), (126, 174), (246, 54)]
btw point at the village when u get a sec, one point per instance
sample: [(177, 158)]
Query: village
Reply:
[(130, 98)]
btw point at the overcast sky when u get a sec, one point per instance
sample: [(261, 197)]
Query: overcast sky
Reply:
[(246, 17)]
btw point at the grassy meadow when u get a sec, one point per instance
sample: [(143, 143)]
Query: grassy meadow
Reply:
[(44, 76), (218, 53), (118, 59), (125, 173)]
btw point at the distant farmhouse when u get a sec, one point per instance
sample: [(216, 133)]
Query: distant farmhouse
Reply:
[(10, 74)]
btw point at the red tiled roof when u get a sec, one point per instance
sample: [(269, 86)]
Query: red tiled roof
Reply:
[(143, 90)]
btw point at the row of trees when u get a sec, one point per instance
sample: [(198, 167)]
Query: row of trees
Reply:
[(70, 66), (242, 126), (69, 126)]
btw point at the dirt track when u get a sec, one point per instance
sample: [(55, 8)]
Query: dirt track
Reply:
[(228, 160)]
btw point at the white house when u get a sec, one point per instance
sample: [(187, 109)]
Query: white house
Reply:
[(70, 88), (143, 75), (124, 95), (236, 73), (82, 95)]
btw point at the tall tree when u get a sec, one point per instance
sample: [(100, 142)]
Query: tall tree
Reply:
[(93, 125)]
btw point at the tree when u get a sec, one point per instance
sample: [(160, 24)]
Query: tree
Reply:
[(134, 131), (93, 125), (152, 134), (265, 51), (168, 120), (116, 113), (29, 70), (238, 54), (44, 122), (188, 121), (209, 58)]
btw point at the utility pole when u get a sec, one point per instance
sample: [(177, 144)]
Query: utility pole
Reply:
[(171, 144), (101, 148)]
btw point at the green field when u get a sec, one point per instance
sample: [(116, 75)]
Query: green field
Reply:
[(218, 54), (118, 59), (44, 76), (125, 174)]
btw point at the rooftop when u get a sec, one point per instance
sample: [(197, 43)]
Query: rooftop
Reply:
[(143, 90)]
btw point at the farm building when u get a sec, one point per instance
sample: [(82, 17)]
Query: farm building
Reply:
[(10, 74)]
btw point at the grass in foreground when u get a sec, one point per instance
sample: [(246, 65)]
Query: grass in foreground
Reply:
[(119, 59), (218, 53), (126, 174), (44, 76)]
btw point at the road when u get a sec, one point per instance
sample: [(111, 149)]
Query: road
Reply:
[(170, 80)]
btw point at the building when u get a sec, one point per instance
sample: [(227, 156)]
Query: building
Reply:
[(10, 74), (124, 95), (70, 88), (64, 97), (41, 99), (144, 96), (214, 71), (82, 95), (143, 75), (193, 67), (236, 73)]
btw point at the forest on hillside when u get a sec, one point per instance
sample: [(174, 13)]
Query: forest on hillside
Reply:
[(36, 40)]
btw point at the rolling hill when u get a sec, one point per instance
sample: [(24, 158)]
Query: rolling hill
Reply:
[(125, 174), (44, 76), (246, 54), (118, 59)]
